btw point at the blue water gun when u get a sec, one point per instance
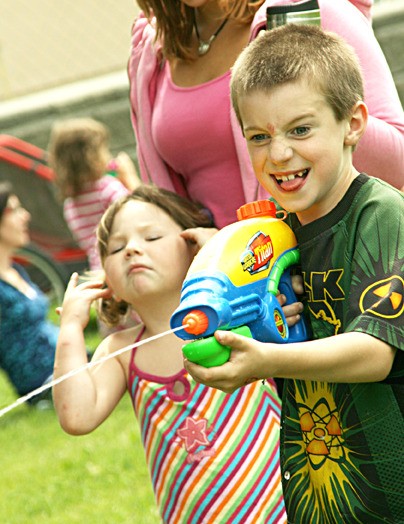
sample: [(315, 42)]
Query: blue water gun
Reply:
[(232, 284)]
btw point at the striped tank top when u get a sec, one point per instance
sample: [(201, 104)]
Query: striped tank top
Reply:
[(212, 457)]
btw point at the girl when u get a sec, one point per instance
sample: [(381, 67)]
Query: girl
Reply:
[(212, 457), (88, 178), (28, 339)]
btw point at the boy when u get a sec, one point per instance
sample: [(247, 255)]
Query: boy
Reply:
[(297, 92)]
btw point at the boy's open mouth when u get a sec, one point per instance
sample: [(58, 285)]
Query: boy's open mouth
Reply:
[(291, 181)]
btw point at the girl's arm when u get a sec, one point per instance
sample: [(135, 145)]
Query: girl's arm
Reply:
[(126, 171), (85, 400), (349, 357)]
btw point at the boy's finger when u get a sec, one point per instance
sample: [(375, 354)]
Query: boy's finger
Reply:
[(212, 377), (199, 373), (228, 338)]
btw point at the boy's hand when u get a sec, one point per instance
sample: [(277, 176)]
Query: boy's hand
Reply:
[(244, 366), (297, 284), (293, 311), (78, 299)]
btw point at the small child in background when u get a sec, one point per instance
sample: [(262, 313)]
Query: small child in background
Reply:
[(88, 178), (213, 458)]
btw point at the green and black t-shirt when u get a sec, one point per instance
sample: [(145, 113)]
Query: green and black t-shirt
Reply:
[(342, 445)]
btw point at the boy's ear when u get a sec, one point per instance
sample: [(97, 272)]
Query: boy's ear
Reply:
[(356, 124)]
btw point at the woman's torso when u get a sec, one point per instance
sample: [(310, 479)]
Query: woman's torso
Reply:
[(28, 339), (192, 132), (191, 124)]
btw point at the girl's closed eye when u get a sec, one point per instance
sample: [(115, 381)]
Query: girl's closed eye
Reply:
[(115, 249), (151, 238)]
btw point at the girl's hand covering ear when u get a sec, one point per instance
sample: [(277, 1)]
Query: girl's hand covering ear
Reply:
[(78, 299), (198, 236)]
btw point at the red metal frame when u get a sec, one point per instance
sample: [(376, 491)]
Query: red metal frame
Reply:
[(32, 161)]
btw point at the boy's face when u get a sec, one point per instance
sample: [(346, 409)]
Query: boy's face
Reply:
[(299, 151)]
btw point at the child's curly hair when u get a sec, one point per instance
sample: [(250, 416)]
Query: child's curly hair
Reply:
[(78, 150), (185, 213)]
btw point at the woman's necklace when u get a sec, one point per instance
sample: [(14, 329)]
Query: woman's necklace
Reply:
[(203, 47)]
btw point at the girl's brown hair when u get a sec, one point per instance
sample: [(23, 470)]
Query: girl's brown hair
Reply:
[(185, 213), (77, 153), (175, 22)]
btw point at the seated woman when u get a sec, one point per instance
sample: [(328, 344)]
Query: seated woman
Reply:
[(27, 338)]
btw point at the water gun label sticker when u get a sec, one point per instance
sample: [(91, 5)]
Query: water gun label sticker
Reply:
[(258, 254)]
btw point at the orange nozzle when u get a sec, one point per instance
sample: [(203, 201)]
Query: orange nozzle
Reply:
[(196, 322), (258, 208)]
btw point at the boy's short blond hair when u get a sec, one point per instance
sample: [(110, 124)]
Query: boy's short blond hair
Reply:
[(294, 52)]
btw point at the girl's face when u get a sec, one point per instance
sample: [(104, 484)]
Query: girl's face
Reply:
[(300, 153), (14, 224), (146, 256)]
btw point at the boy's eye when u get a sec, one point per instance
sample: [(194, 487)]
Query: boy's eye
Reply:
[(259, 137), (301, 130)]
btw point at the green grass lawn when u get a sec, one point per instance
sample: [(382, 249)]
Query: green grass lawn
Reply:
[(48, 476)]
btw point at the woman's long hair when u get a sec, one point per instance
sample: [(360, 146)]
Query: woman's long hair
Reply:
[(6, 190), (175, 22)]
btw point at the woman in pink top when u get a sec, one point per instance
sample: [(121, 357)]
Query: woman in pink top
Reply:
[(187, 136)]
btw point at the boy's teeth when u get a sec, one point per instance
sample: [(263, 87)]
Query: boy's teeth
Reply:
[(289, 177)]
